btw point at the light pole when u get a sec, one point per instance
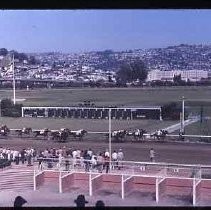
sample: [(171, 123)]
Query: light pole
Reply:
[(109, 134), (183, 115), (13, 69)]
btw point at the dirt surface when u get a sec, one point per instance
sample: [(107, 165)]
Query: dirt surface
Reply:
[(184, 153)]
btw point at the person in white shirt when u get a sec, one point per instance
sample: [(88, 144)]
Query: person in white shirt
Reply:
[(120, 158), (90, 152), (4, 153), (114, 159), (45, 153), (94, 161), (74, 154), (9, 157), (16, 157), (107, 153), (78, 155), (60, 161), (100, 161), (60, 150)]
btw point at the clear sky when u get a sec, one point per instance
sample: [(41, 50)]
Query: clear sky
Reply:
[(86, 30)]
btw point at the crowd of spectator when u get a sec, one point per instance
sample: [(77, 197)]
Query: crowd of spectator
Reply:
[(67, 157), (87, 159), (17, 156)]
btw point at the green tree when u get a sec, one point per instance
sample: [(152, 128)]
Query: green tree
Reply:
[(22, 57), (32, 60), (124, 75), (139, 71), (177, 79), (130, 72)]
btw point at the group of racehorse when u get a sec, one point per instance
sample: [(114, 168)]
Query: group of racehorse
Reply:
[(119, 135), (137, 134), (64, 133), (60, 135)]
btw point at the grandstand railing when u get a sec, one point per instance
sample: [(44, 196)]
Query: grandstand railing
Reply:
[(128, 167), (159, 171)]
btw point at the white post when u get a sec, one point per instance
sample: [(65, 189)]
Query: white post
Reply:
[(13, 69), (22, 113), (161, 114), (109, 119), (34, 180), (157, 190), (101, 114), (194, 191), (90, 184), (123, 189), (60, 182), (200, 172)]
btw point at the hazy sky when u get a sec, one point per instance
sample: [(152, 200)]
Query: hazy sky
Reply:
[(86, 30)]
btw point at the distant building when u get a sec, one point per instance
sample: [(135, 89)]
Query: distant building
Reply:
[(192, 75)]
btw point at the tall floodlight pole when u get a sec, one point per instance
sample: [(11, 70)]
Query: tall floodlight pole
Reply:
[(183, 114), (13, 69), (109, 130)]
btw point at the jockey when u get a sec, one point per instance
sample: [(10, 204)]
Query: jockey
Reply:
[(159, 132)]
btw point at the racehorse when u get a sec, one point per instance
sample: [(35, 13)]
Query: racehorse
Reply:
[(43, 132), (78, 134), (61, 135), (160, 134), (118, 135), (4, 130), (26, 131)]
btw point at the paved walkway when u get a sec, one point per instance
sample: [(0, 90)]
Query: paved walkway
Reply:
[(47, 197), (177, 126)]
